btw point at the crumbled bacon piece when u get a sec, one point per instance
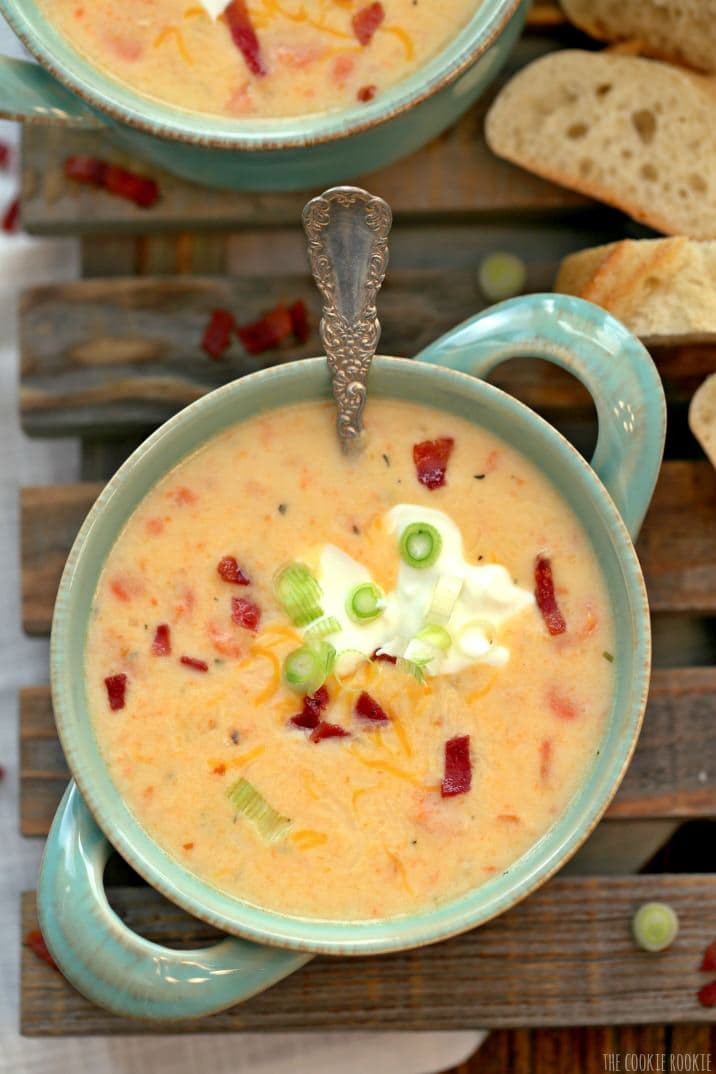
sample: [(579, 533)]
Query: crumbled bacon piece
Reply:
[(387, 657), (708, 964), (11, 216), (299, 320), (116, 691), (707, 995), (86, 170), (36, 942), (431, 459), (369, 709), (561, 705), (366, 22), (161, 646), (458, 767), (218, 333), (219, 769), (245, 613), (231, 572), (546, 600), (4, 155), (366, 93), (192, 662), (267, 332), (139, 189), (328, 730), (313, 706), (244, 36)]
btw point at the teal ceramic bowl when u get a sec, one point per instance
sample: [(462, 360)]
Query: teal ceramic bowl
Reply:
[(126, 973), (257, 154)]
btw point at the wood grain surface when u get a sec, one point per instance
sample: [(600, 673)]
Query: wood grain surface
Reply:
[(564, 956)]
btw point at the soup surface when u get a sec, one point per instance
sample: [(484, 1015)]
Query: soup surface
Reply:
[(263, 58), (447, 693)]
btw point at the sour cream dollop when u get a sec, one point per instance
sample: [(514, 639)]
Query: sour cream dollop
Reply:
[(214, 8), (488, 598)]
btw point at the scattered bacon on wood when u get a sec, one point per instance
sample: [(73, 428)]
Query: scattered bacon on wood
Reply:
[(368, 709), (299, 320), (231, 572), (328, 730), (36, 943), (245, 613), (707, 995), (431, 459), (244, 36), (161, 646), (366, 93), (11, 216), (366, 22), (139, 189), (218, 333), (5, 154), (708, 964), (545, 597), (458, 767), (267, 332), (116, 691), (192, 662)]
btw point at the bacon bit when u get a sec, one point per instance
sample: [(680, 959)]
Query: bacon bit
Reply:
[(709, 961), (187, 846), (387, 657), (366, 21), (369, 709), (267, 332), (299, 320), (328, 730), (218, 333), (313, 706), (4, 155), (546, 600), (366, 93), (161, 646), (182, 496), (36, 943), (116, 689), (139, 189), (458, 767), (224, 641), (707, 995), (192, 662), (11, 216), (545, 758), (231, 572), (561, 706), (431, 459), (219, 770), (245, 613), (244, 36)]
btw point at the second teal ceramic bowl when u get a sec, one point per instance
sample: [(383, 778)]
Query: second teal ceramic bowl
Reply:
[(257, 154), (126, 973)]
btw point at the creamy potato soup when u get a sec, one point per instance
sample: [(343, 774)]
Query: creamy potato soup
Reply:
[(260, 57), (350, 687)]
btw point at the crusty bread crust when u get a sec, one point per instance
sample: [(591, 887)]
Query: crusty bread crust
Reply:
[(702, 416)]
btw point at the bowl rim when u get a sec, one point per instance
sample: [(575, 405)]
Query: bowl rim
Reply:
[(282, 930), (125, 105)]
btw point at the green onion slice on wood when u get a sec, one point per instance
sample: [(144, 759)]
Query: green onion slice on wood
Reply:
[(655, 926)]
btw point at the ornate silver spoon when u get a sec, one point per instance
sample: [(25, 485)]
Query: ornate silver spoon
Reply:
[(347, 230)]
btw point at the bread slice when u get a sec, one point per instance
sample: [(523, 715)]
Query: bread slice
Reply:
[(683, 31), (702, 416), (664, 290), (636, 133)]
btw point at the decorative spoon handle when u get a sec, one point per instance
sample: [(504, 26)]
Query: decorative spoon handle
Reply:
[(347, 230)]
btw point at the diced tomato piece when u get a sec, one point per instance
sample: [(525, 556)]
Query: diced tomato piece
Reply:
[(366, 22), (4, 155), (36, 942), (161, 646), (545, 597), (366, 93), (707, 995), (218, 333), (244, 36), (545, 758), (328, 730), (192, 662), (561, 706), (368, 709), (458, 767), (231, 572), (299, 320), (431, 459), (267, 332), (11, 216), (116, 691), (245, 613), (708, 964), (387, 657)]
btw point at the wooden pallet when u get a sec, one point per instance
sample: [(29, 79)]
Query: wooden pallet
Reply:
[(109, 357)]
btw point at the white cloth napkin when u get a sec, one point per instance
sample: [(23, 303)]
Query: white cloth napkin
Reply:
[(23, 262)]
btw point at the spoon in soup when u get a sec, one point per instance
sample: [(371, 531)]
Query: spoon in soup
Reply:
[(347, 231)]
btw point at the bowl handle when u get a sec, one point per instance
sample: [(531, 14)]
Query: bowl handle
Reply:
[(613, 365), (29, 92), (116, 968)]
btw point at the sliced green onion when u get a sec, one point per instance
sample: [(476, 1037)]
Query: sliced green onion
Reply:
[(608, 656), (298, 593), (420, 544), (307, 668), (655, 926), (322, 628), (501, 276), (445, 596), (346, 663), (435, 636), (411, 667), (246, 800), (476, 638), (365, 602)]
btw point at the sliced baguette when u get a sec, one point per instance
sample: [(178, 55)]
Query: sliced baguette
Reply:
[(702, 416), (664, 290), (636, 133), (683, 31)]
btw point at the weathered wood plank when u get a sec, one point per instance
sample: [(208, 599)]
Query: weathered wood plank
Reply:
[(455, 173), (670, 776), (677, 546), (583, 969)]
